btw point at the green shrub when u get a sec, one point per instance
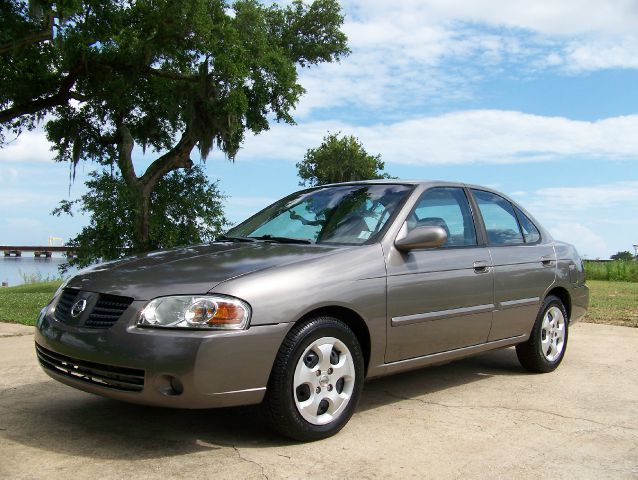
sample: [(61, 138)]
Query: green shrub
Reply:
[(614, 271)]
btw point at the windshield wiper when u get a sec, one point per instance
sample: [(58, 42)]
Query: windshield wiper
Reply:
[(270, 238), (234, 239)]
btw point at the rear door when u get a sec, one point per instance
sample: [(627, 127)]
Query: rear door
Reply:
[(439, 299), (524, 265)]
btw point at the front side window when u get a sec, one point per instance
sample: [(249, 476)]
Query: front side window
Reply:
[(499, 218), (351, 214), (445, 207)]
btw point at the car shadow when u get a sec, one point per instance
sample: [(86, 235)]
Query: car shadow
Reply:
[(418, 383), (51, 416)]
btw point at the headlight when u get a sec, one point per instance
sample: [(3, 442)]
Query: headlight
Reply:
[(205, 312)]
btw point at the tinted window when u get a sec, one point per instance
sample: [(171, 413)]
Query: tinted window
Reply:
[(445, 207), (350, 214), (530, 232), (499, 218)]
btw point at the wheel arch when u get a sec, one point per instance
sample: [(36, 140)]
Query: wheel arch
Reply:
[(351, 318), (564, 296)]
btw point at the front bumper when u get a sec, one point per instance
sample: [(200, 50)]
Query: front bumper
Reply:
[(144, 365)]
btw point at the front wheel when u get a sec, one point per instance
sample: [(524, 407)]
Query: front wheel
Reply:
[(546, 346), (316, 380)]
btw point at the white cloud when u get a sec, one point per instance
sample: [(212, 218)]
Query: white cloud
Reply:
[(587, 242), (599, 55), (8, 176), (464, 137), (28, 147), (592, 197), (23, 223), (426, 52), (12, 198), (599, 219), (560, 18)]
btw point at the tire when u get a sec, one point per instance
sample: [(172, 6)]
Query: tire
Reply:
[(547, 344), (295, 389)]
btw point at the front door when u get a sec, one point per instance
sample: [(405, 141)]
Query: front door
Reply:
[(439, 299)]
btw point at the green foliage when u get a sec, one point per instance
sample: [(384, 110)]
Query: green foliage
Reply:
[(626, 255), (186, 209), (213, 67), (339, 160), (164, 75), (614, 270), (22, 304)]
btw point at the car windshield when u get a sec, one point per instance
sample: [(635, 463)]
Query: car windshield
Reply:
[(351, 214)]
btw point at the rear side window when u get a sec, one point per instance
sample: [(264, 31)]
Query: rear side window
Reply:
[(530, 232), (445, 207), (499, 218)]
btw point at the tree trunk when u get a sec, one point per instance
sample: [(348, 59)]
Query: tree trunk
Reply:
[(142, 222), (142, 187)]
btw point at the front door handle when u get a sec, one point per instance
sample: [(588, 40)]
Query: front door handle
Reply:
[(481, 267), (547, 261)]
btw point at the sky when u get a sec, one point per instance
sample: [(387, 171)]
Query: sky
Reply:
[(538, 99)]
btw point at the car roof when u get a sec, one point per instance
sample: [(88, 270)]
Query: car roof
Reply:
[(424, 183), (396, 181)]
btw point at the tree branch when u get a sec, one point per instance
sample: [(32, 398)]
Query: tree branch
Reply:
[(176, 157), (174, 75), (35, 37), (26, 41), (61, 97)]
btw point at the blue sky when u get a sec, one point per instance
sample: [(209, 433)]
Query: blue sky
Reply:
[(537, 99)]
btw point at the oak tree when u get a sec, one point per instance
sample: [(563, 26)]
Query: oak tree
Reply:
[(107, 76), (339, 160), (186, 208)]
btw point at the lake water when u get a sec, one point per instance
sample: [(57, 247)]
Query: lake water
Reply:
[(14, 269)]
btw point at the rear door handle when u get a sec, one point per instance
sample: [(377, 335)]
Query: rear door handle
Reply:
[(481, 267), (547, 261)]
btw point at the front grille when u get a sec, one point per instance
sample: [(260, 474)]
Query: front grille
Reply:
[(103, 310), (107, 311), (118, 378), (63, 308)]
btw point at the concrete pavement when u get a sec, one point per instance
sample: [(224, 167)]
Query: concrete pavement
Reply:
[(482, 417)]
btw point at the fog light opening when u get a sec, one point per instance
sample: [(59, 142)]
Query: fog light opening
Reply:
[(169, 385), (176, 386)]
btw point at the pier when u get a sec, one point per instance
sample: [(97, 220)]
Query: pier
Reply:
[(38, 250)]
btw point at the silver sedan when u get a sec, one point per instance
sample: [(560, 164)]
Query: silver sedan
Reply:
[(295, 307)]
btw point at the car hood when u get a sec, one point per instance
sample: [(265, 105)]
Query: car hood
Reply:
[(190, 270)]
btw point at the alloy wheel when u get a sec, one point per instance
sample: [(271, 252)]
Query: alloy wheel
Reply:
[(553, 333)]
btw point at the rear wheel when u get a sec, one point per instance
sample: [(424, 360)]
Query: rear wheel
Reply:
[(316, 380), (546, 346)]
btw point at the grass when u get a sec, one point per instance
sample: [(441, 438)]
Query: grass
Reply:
[(612, 303), (614, 271), (22, 304)]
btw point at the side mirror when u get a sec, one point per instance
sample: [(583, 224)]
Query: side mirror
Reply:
[(422, 237)]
